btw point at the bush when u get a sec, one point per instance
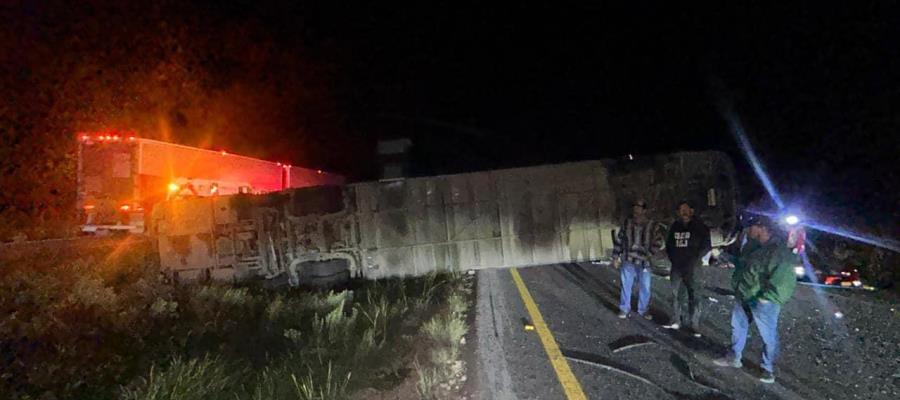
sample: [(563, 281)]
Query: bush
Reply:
[(328, 387), (426, 382), (75, 329), (200, 379), (446, 329)]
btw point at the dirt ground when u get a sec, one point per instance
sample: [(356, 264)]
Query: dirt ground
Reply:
[(406, 389)]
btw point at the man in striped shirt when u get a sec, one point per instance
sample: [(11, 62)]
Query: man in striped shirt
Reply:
[(631, 254)]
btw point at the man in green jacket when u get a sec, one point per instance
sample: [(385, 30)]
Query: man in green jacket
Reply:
[(763, 280)]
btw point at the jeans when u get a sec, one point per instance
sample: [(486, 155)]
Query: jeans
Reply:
[(765, 315), (627, 272), (686, 279)]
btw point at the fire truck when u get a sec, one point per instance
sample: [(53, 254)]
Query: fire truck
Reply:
[(121, 176)]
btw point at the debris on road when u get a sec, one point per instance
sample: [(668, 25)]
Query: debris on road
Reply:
[(608, 367), (527, 325), (629, 342), (631, 346)]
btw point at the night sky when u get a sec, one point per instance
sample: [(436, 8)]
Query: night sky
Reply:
[(478, 87)]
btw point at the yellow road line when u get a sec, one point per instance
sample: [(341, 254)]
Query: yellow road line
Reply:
[(560, 365)]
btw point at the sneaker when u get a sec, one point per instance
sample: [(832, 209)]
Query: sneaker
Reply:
[(623, 315), (728, 362), (647, 316), (673, 326), (767, 377)]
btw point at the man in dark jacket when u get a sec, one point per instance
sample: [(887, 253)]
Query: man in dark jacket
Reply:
[(763, 280), (688, 241)]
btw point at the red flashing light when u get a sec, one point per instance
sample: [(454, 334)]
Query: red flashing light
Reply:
[(125, 207), (107, 136), (89, 207), (223, 152), (319, 171)]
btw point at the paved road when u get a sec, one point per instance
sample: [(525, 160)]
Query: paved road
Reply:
[(610, 358)]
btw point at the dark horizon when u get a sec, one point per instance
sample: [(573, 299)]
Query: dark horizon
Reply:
[(480, 87)]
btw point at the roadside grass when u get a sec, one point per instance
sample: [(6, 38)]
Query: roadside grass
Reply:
[(426, 384), (109, 325), (198, 378), (442, 371)]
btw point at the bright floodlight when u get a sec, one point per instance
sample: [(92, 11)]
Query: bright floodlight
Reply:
[(791, 219)]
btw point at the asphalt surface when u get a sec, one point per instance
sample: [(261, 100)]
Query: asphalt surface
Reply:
[(823, 356)]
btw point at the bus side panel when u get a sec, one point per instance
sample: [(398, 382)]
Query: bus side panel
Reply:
[(506, 218)]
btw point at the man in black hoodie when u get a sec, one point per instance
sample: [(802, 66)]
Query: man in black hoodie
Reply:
[(688, 241)]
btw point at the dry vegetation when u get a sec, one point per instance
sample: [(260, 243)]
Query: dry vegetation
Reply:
[(442, 373), (109, 325)]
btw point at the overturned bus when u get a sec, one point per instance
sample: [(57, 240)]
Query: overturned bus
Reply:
[(501, 218)]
